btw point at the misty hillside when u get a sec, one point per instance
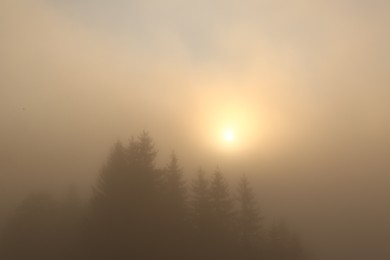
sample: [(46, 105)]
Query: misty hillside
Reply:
[(138, 211)]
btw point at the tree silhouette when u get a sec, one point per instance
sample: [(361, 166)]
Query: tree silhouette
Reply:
[(221, 201), (174, 188), (249, 221), (222, 227), (201, 215), (122, 221), (201, 202), (108, 205), (113, 179), (139, 211), (175, 211)]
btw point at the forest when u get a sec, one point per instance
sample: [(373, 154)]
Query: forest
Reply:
[(140, 211)]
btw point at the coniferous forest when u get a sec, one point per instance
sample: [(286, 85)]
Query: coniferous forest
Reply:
[(139, 211)]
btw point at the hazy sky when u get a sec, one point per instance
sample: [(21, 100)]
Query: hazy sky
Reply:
[(305, 85)]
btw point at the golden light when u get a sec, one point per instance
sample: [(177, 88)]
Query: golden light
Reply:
[(230, 125), (229, 135), (229, 121)]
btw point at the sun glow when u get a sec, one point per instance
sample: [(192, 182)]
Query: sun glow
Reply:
[(229, 135), (229, 121)]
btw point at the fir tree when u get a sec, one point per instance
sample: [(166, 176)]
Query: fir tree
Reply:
[(221, 202), (222, 228), (201, 217), (249, 219), (113, 178), (201, 202), (249, 224), (174, 187), (174, 211), (125, 204)]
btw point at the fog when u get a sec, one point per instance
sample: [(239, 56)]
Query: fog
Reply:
[(304, 85)]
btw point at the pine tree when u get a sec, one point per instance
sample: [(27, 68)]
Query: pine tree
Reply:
[(222, 229), (145, 179), (248, 220), (108, 208), (113, 179), (174, 187), (201, 217), (125, 204), (201, 204), (175, 212), (142, 152), (221, 202)]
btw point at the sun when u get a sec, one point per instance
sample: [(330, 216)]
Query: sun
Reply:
[(229, 135)]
